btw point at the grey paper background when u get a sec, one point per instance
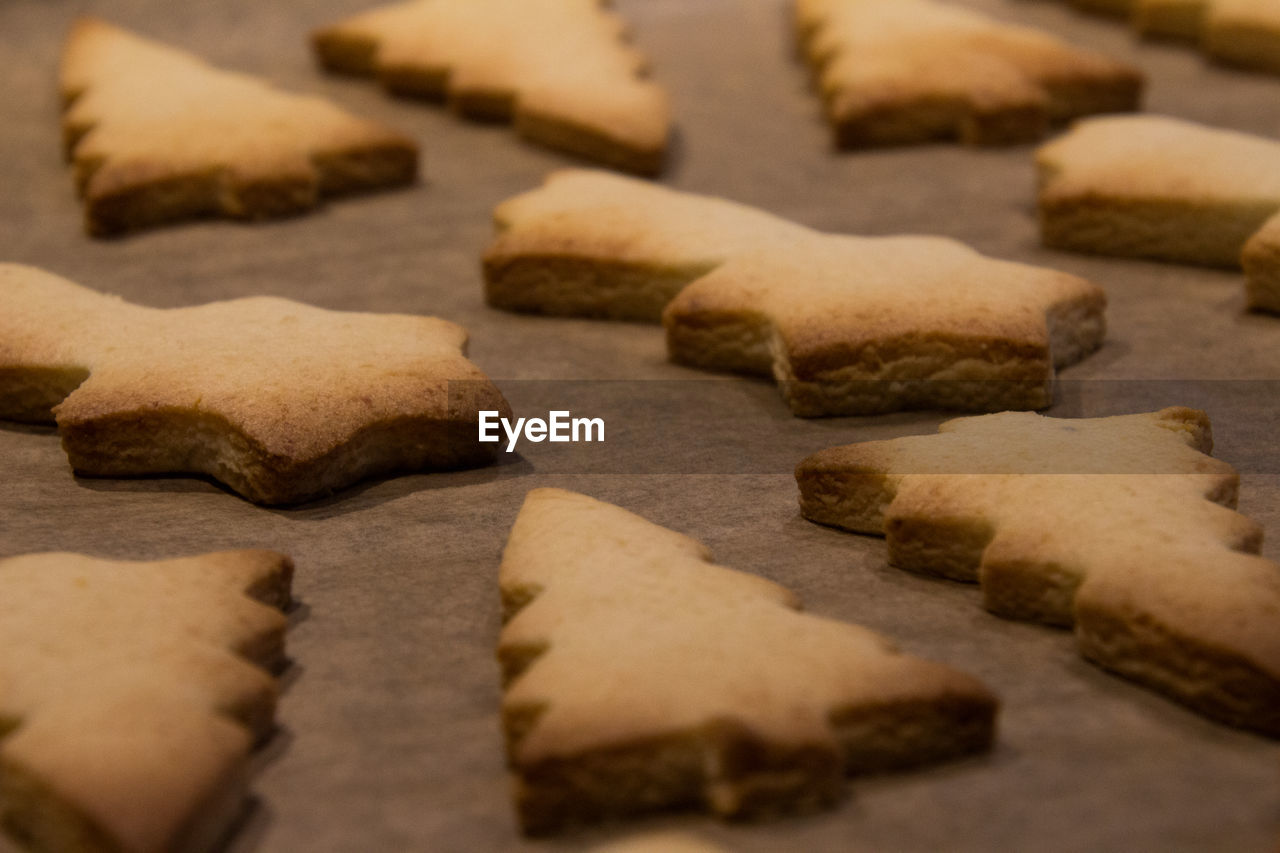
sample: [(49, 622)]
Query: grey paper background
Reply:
[(389, 727)]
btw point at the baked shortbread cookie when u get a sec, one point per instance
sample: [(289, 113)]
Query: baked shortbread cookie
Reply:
[(280, 401), (156, 135), (133, 693), (1237, 32), (901, 71), (640, 676), (660, 842), (562, 70), (1121, 527), (847, 325), (1164, 188)]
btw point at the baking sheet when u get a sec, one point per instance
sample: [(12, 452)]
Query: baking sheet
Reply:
[(389, 733)]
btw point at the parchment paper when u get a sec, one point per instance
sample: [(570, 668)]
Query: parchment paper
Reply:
[(389, 720)]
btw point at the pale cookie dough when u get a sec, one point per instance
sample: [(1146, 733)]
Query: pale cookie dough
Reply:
[(1121, 527), (639, 676), (280, 401), (156, 135), (1237, 32), (847, 325), (133, 693), (1168, 189), (902, 71), (561, 70)]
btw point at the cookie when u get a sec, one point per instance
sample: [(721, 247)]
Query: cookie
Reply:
[(1105, 7), (1122, 527), (157, 135), (660, 842), (1169, 18), (1261, 261), (1245, 33), (133, 693), (847, 325), (279, 401), (903, 71), (1168, 189), (639, 676), (560, 70)]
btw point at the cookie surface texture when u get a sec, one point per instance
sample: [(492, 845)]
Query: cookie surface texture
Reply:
[(280, 401), (1167, 189), (133, 693), (157, 135), (561, 70), (847, 325), (903, 71), (1122, 527), (640, 676)]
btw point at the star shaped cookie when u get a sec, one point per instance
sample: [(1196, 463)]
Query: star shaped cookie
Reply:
[(562, 70), (902, 71), (1235, 32), (157, 135), (280, 401), (1164, 188), (847, 325), (640, 676), (1122, 527), (133, 693)]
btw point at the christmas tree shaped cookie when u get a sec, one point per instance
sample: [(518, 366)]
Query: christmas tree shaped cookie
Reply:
[(280, 401), (640, 676), (847, 325), (157, 135), (1163, 188), (900, 71), (1121, 527), (133, 693), (561, 70)]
